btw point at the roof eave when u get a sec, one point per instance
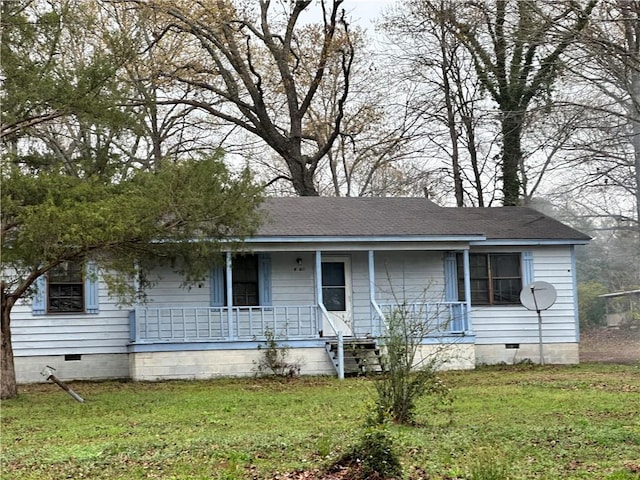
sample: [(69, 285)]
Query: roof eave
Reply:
[(530, 241), (364, 238)]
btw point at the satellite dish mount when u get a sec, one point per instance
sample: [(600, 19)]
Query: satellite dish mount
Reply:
[(538, 296)]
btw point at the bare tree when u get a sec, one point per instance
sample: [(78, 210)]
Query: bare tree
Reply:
[(610, 140), (162, 132), (380, 133), (517, 49), (249, 71), (455, 120)]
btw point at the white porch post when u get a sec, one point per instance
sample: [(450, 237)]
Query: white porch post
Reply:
[(229, 277), (134, 327), (467, 288), (372, 292), (318, 259)]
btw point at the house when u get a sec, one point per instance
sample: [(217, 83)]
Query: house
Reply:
[(320, 273)]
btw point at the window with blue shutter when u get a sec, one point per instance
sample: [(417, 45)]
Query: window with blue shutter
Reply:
[(217, 286), (527, 268), (39, 304), (264, 279), (71, 287), (450, 277), (457, 320), (251, 282), (91, 288), (495, 278)]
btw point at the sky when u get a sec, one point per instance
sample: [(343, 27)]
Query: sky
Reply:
[(364, 12), (361, 12)]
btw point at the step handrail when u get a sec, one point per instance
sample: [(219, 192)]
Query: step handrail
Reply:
[(339, 335), (383, 319)]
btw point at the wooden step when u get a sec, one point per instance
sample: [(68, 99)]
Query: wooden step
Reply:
[(361, 356)]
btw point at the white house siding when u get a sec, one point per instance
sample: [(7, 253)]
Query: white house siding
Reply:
[(360, 296), (500, 329), (60, 334), (168, 289), (411, 277), (100, 339), (293, 284)]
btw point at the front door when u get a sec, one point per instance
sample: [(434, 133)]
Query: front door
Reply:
[(336, 294)]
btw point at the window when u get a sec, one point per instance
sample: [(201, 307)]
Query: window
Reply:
[(245, 281), (65, 288), (71, 287), (251, 281), (496, 278), (334, 286)]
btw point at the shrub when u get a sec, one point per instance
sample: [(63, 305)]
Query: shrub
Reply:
[(275, 359), (405, 379), (373, 458), (592, 308)]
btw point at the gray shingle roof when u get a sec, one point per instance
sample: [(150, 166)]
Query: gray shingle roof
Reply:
[(387, 217)]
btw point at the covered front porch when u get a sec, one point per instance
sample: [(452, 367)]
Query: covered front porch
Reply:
[(353, 295)]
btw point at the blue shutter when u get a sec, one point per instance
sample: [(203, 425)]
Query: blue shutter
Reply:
[(217, 286), (39, 304), (450, 277), (527, 268), (91, 288), (264, 279)]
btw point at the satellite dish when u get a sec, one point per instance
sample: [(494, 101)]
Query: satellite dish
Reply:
[(538, 296)]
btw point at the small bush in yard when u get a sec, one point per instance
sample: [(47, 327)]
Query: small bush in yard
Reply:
[(407, 379), (373, 458), (275, 359)]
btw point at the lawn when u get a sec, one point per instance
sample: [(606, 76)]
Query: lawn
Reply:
[(525, 422)]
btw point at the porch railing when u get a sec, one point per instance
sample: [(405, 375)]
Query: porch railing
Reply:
[(434, 318), (184, 324), (193, 324)]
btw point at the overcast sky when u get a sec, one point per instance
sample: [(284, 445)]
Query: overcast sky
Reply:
[(361, 12), (364, 12)]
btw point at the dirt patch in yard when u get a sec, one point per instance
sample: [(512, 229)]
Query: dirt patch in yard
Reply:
[(610, 345)]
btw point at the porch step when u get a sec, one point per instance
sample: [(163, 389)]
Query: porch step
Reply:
[(361, 357)]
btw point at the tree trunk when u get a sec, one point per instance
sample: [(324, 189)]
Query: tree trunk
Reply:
[(467, 121), (451, 120), (636, 168), (302, 179), (512, 121), (8, 388)]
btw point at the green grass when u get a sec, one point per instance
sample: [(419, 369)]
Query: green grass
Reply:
[(580, 422)]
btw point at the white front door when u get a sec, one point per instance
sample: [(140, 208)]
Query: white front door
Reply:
[(336, 294)]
